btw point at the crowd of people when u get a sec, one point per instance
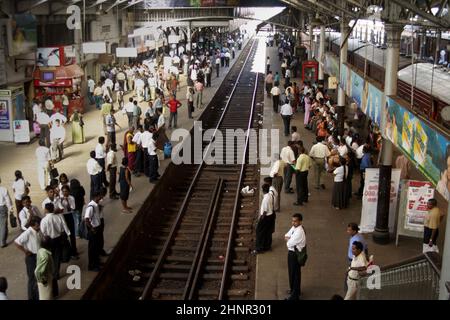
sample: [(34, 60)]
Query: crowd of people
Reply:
[(69, 214)]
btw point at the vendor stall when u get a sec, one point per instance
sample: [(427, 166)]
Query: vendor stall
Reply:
[(54, 82)]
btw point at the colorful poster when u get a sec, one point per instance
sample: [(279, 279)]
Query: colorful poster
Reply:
[(426, 147), (48, 57), (4, 115), (370, 200), (419, 193), (372, 102), (22, 34), (357, 88)]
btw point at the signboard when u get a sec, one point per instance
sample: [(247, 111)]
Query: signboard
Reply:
[(22, 34), (4, 115), (21, 131), (332, 83), (94, 47), (428, 149), (413, 207), (356, 88), (370, 199), (126, 53), (48, 57), (419, 193)]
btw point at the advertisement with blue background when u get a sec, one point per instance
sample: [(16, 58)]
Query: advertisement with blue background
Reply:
[(357, 88), (343, 78), (428, 149), (372, 102)]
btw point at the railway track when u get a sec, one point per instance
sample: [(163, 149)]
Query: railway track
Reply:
[(193, 235)]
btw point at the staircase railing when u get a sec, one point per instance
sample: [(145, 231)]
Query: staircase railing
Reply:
[(416, 278)]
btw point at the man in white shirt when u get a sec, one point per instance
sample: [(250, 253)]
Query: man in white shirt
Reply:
[(106, 91), (286, 114), (139, 89), (100, 156), (91, 87), (152, 85), (29, 243), (111, 167), (217, 66), (146, 138), (266, 222), (27, 213), (161, 120), (359, 264), (288, 157), (43, 164), (66, 205), (277, 173), (57, 137), (5, 207), (319, 153), (94, 225), (139, 162), (153, 159), (43, 119), (275, 92), (58, 116), (95, 172), (295, 242), (53, 226), (129, 107)]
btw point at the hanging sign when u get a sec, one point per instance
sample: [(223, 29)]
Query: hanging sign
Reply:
[(370, 199), (174, 39), (94, 47), (126, 53)]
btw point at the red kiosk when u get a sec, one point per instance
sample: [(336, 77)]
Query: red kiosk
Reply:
[(310, 71), (53, 79)]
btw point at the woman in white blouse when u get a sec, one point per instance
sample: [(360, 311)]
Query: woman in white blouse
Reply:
[(339, 199), (21, 188)]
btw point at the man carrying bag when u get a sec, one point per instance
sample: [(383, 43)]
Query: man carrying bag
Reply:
[(296, 244)]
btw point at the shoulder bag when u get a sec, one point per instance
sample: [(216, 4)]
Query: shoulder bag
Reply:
[(302, 256), (12, 220)]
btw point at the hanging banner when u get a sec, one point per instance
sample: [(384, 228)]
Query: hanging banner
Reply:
[(372, 102), (419, 192), (370, 199), (426, 147), (356, 88)]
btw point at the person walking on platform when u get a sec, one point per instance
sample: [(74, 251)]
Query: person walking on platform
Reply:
[(199, 95), (45, 269), (301, 176), (173, 106), (339, 198), (29, 243), (288, 157), (208, 72), (53, 226), (276, 79), (217, 65), (77, 127), (366, 162), (100, 156), (431, 224), (94, 225), (5, 208), (268, 65), (358, 264), (145, 141), (269, 83), (153, 159), (129, 108), (190, 102), (296, 242), (139, 163), (286, 114), (95, 172), (111, 167), (125, 185), (275, 92), (277, 173), (266, 222), (319, 153)]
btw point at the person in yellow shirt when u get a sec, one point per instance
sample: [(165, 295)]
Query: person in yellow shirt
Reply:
[(301, 176), (431, 226)]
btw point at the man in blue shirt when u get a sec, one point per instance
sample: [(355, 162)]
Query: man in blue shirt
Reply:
[(352, 230), (365, 163)]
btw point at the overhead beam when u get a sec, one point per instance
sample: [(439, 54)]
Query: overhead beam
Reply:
[(445, 23)]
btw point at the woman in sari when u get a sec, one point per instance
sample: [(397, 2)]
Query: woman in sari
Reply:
[(77, 127)]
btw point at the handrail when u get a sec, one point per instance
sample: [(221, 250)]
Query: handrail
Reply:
[(236, 200), (203, 245), (150, 283), (204, 238)]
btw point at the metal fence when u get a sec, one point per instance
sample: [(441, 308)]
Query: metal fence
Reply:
[(413, 279)]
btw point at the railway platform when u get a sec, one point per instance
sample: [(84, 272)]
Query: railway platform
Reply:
[(325, 227), (22, 157)]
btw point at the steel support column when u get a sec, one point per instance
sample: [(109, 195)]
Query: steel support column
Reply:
[(321, 52), (381, 232), (343, 58)]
